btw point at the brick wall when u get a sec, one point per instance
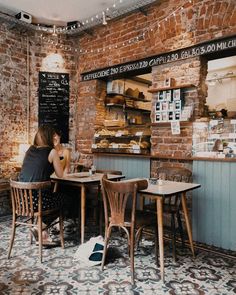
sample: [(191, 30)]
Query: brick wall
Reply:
[(186, 72), (199, 21), (14, 90)]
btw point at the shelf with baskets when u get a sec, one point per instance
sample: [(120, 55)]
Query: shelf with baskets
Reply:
[(170, 104), (126, 124), (123, 141)]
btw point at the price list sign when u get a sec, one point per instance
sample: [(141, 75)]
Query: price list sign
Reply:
[(54, 101)]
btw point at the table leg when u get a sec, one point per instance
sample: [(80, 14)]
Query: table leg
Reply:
[(186, 217), (82, 212), (159, 203)]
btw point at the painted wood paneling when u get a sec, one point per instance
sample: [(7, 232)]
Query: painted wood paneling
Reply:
[(131, 167), (214, 204)]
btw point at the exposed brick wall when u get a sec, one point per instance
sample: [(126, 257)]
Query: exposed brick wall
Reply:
[(199, 21), (12, 91), (187, 72), (13, 88)]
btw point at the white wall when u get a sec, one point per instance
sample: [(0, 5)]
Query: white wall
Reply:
[(222, 90)]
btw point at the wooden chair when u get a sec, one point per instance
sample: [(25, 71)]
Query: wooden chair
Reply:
[(172, 206), (115, 198), (97, 203), (23, 211)]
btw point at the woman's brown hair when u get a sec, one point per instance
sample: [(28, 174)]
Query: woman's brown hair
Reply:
[(44, 136)]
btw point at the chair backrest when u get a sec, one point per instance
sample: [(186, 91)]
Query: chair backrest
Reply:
[(179, 174), (22, 196), (115, 172), (115, 197)]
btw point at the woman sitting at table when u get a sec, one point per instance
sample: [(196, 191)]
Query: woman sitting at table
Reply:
[(40, 161), (71, 204), (63, 152)]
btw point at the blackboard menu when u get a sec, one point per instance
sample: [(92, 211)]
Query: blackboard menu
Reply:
[(54, 101)]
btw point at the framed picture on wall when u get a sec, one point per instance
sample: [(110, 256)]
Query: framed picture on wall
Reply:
[(161, 95), (168, 82), (158, 117), (178, 105), (158, 106), (177, 115), (168, 95), (164, 106), (176, 94), (164, 116)]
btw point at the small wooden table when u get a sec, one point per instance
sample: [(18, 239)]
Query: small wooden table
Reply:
[(166, 190), (82, 179)]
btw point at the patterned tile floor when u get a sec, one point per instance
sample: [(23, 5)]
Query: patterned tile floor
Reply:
[(60, 273)]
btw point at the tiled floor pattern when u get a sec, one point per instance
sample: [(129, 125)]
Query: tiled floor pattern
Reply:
[(60, 273)]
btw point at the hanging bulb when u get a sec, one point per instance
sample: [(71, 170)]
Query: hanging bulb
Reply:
[(54, 30), (104, 21)]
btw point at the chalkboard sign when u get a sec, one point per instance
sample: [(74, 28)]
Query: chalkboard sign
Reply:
[(54, 101)]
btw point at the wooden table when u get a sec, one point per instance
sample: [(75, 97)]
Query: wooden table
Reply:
[(166, 190), (82, 179)]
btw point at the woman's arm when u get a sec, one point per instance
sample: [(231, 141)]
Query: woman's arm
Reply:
[(67, 155), (54, 158)]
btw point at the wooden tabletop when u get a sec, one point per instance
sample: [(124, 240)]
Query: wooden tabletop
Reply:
[(168, 188), (85, 177)]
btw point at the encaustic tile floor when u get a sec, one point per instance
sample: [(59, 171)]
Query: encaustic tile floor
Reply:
[(209, 273)]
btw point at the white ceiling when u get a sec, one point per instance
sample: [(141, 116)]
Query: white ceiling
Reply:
[(59, 12)]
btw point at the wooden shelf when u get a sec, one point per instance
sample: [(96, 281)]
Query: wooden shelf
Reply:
[(167, 124), (127, 96), (164, 157), (130, 136), (121, 151), (123, 106), (214, 159), (110, 154), (169, 88)]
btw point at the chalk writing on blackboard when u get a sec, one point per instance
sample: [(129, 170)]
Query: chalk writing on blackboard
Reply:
[(54, 101)]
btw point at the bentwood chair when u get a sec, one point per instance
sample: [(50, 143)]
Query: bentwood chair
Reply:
[(96, 201), (99, 194), (24, 214), (115, 200), (172, 206)]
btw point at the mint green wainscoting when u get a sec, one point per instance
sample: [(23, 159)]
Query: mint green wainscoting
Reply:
[(131, 167), (214, 204)]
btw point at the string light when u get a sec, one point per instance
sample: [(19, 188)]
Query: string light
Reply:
[(84, 22), (140, 37)]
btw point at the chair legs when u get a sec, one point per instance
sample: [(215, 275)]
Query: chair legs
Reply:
[(40, 230), (180, 226), (107, 237), (61, 231), (12, 235), (132, 255), (173, 236), (138, 236), (131, 240)]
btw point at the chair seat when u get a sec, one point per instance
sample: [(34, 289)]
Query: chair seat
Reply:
[(143, 218), (167, 208)]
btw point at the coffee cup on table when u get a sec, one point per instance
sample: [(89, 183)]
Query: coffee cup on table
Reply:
[(161, 178), (153, 180)]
